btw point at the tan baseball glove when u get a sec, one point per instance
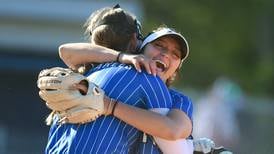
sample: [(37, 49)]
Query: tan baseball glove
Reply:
[(72, 106)]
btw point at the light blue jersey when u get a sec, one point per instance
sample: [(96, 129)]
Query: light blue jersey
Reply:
[(108, 134)]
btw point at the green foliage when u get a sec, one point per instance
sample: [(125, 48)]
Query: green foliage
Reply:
[(227, 38)]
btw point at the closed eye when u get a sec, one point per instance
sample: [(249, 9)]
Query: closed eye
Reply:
[(176, 55), (159, 45)]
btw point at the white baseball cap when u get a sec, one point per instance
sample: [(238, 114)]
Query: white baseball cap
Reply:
[(164, 32)]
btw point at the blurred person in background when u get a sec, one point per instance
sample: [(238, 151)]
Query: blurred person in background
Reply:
[(216, 116)]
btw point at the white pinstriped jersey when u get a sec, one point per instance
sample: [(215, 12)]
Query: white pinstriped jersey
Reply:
[(108, 134), (180, 102)]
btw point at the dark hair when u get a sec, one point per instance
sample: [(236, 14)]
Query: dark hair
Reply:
[(112, 28)]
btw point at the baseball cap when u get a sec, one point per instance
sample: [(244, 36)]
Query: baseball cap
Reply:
[(167, 31)]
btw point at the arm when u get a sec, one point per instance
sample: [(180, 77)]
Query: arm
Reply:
[(76, 54), (173, 126)]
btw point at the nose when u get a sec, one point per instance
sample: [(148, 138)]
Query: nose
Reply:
[(164, 53)]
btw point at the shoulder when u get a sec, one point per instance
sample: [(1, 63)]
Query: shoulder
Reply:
[(110, 68), (127, 72), (179, 96), (112, 65), (181, 102)]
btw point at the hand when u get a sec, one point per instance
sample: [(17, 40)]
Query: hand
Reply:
[(138, 61)]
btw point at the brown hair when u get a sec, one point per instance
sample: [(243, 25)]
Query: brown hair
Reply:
[(111, 27)]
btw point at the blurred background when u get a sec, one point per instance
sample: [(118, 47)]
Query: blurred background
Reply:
[(229, 73)]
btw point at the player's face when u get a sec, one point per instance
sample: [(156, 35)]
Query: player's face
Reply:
[(166, 52)]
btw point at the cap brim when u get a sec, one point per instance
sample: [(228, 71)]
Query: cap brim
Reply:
[(164, 32)]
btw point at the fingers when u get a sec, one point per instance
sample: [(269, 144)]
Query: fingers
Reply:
[(146, 64), (137, 66), (140, 61), (150, 66), (153, 67)]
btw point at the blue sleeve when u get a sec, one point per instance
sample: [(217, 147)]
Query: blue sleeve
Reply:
[(155, 92), (182, 103), (125, 84)]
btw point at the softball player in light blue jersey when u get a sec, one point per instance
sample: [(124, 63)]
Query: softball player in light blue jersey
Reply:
[(108, 134), (180, 102)]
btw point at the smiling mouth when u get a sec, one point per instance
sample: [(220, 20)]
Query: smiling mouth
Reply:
[(160, 65)]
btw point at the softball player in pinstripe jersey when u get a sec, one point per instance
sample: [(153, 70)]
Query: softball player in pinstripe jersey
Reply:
[(180, 102), (171, 47), (108, 134)]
